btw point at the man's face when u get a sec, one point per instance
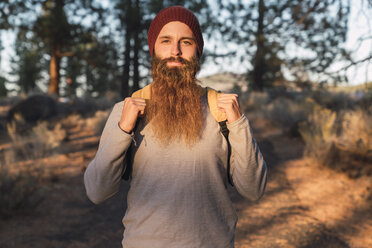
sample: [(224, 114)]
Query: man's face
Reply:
[(175, 40)]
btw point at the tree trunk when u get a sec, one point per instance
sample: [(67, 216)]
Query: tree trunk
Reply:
[(136, 48), (125, 80), (54, 73), (259, 58), (126, 67)]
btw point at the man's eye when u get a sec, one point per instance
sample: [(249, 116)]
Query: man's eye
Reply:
[(165, 41), (187, 42)]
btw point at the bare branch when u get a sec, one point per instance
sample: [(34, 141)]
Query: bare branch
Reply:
[(365, 38), (308, 12), (219, 55), (353, 63)]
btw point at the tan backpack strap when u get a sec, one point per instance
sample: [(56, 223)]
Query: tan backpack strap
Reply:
[(145, 92), (213, 108)]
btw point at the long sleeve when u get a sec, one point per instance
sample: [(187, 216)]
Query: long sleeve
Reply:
[(248, 168), (103, 175)]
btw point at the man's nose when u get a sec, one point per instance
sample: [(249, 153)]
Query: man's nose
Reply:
[(176, 49)]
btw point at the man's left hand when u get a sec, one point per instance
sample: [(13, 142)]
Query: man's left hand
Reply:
[(229, 104)]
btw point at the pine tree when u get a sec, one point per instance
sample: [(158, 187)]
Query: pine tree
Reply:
[(303, 37)]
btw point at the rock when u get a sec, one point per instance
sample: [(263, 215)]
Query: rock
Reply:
[(28, 112)]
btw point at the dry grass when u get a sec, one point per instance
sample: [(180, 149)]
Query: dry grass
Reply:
[(22, 184), (287, 113), (72, 121), (23, 174), (21, 187), (41, 141), (319, 132), (97, 122), (356, 133), (340, 139), (334, 126)]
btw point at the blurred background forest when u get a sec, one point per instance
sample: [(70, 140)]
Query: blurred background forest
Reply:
[(305, 89), (87, 47)]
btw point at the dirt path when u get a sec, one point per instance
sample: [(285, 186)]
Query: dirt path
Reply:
[(305, 205)]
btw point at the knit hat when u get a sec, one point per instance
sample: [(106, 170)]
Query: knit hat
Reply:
[(170, 14)]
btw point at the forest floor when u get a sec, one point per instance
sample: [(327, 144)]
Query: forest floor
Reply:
[(305, 205)]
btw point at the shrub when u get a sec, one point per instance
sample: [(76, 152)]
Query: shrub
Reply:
[(22, 183), (319, 132), (333, 100), (355, 136), (72, 121), (97, 122), (20, 189), (41, 141), (28, 112), (254, 101), (287, 113), (340, 140)]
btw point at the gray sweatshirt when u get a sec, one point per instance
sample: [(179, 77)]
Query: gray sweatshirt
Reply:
[(178, 195)]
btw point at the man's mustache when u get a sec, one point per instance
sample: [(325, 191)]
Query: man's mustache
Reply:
[(175, 59)]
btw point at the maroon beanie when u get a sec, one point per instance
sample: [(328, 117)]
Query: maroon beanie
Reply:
[(170, 14)]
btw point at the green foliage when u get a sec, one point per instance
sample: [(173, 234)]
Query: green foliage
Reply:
[(9, 10), (28, 64), (52, 26), (101, 67), (305, 37), (49, 35)]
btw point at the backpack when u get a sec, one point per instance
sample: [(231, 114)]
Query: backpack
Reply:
[(218, 115)]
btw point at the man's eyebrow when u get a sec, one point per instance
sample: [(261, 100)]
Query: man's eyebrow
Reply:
[(182, 38), (164, 37), (187, 38)]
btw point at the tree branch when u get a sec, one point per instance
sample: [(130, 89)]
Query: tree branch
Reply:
[(352, 63), (308, 12)]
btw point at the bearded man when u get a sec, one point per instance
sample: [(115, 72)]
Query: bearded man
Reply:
[(178, 188)]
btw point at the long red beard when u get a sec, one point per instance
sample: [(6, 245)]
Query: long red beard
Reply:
[(175, 111)]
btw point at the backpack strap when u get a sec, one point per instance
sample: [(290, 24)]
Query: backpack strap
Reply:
[(220, 117), (212, 96), (144, 93), (225, 132)]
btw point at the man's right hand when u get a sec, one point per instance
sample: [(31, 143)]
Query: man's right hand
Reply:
[(133, 107)]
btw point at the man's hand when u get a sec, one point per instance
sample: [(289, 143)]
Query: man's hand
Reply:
[(229, 104), (133, 107)]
